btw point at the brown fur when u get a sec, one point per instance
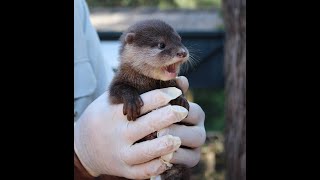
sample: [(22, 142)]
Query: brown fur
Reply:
[(142, 58)]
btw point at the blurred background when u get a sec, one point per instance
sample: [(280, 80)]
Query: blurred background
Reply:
[(200, 24)]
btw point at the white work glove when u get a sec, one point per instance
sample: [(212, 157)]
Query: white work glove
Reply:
[(104, 138)]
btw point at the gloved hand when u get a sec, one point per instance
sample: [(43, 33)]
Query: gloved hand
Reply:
[(191, 136), (104, 138)]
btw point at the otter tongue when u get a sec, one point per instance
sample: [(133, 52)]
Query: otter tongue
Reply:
[(171, 68)]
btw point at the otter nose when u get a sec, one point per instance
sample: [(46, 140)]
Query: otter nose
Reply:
[(182, 53)]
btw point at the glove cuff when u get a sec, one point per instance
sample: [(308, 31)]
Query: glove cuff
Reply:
[(79, 171), (82, 164)]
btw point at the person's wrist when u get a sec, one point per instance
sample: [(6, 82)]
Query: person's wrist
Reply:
[(79, 171), (81, 151)]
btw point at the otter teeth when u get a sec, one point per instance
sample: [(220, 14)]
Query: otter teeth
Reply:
[(171, 68)]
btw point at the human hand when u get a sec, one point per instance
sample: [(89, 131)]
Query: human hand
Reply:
[(192, 137), (104, 138)]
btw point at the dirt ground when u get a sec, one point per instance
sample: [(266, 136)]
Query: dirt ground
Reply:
[(212, 164)]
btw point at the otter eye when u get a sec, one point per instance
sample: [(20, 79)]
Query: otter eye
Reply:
[(161, 45)]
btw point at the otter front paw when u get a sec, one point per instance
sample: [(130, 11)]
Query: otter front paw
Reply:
[(132, 106), (181, 101)]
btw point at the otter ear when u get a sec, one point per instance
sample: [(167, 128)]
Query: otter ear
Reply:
[(129, 38)]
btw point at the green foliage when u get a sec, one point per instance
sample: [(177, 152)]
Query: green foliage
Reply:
[(212, 102), (162, 4), (193, 4), (167, 4)]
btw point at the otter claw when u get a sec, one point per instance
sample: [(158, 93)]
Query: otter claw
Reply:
[(132, 107)]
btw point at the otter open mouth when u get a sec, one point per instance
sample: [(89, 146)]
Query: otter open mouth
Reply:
[(171, 70)]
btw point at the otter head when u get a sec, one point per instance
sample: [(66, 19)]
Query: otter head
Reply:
[(154, 49)]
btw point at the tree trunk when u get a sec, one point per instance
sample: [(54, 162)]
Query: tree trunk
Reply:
[(234, 12)]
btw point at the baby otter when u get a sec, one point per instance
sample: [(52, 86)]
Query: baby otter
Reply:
[(151, 54)]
